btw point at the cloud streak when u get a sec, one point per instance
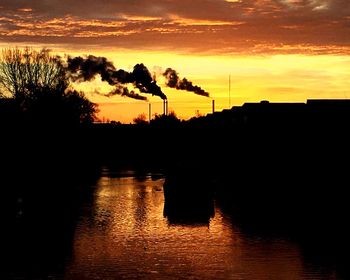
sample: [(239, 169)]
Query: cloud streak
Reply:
[(235, 26)]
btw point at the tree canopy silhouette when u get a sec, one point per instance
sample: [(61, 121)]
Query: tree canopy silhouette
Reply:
[(141, 119), (37, 83), (24, 71), (170, 120)]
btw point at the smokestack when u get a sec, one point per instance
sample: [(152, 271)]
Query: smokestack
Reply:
[(149, 112), (165, 107), (213, 103)]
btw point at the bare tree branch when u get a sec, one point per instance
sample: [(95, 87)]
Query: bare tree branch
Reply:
[(22, 72)]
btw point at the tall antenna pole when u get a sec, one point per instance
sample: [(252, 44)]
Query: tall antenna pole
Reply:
[(229, 91)]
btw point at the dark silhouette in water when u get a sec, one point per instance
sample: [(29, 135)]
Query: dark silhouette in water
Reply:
[(188, 196), (285, 170)]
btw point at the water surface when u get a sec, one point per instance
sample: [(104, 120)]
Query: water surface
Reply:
[(123, 234)]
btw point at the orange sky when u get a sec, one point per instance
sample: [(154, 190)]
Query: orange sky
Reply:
[(279, 50)]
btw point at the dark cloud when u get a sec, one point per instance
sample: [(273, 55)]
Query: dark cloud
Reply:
[(111, 9), (194, 25)]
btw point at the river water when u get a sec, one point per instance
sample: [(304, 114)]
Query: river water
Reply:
[(122, 232)]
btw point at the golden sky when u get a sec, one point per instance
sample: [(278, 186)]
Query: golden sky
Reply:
[(277, 50)]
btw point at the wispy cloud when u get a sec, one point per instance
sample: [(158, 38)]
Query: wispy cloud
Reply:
[(227, 26)]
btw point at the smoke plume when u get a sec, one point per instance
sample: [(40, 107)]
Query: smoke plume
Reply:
[(143, 80), (124, 91), (81, 69), (85, 69), (173, 80)]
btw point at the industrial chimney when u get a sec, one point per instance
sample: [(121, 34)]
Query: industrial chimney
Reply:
[(165, 107), (149, 112)]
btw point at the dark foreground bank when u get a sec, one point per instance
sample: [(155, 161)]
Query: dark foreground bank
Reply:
[(273, 173)]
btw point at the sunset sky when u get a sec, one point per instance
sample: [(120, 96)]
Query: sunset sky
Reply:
[(277, 50)]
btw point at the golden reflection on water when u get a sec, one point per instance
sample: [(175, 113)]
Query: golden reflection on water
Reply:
[(126, 236)]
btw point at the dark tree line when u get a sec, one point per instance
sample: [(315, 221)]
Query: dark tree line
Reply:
[(34, 87)]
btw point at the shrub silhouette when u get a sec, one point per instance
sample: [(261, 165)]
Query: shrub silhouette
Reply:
[(141, 119), (169, 120)]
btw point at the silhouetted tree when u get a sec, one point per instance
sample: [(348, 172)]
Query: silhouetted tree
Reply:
[(141, 119), (166, 120), (60, 107), (24, 72), (37, 83)]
